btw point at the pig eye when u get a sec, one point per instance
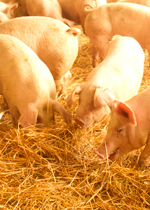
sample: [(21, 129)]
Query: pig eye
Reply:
[(120, 132)]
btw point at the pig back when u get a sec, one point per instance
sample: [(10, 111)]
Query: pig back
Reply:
[(124, 59), (48, 38), (22, 72)]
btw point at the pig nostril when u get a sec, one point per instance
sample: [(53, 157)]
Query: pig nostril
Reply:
[(99, 155), (79, 122)]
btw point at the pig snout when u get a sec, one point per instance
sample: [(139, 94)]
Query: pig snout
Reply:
[(108, 150), (101, 156), (79, 122), (84, 119), (101, 151)]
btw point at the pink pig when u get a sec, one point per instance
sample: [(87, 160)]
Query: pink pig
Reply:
[(124, 61), (54, 42), (74, 9), (47, 8), (126, 19), (128, 129), (27, 84)]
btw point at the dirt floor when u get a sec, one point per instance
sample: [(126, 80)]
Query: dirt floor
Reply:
[(56, 167)]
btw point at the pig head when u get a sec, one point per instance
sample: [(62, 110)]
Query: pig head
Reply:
[(118, 141), (92, 107), (128, 129), (82, 8)]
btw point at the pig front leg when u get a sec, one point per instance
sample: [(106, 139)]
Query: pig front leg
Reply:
[(144, 159), (98, 50), (95, 56), (62, 83)]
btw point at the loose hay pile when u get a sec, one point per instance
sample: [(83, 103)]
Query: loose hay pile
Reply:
[(56, 168)]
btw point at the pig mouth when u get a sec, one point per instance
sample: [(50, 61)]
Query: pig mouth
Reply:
[(114, 154)]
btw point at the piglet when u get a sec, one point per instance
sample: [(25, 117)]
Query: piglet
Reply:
[(27, 84), (126, 19), (128, 129), (48, 8), (74, 9), (54, 42), (118, 76)]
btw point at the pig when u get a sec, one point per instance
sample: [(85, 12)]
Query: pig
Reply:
[(48, 8), (54, 42), (128, 128), (74, 10), (8, 10), (126, 19), (119, 76), (27, 84)]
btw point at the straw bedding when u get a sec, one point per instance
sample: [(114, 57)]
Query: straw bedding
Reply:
[(56, 168)]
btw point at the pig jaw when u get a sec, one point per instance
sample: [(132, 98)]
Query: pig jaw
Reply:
[(104, 151)]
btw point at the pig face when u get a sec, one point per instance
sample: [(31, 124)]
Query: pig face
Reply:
[(120, 133), (92, 107)]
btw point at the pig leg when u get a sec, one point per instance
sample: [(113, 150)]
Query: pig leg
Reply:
[(59, 86), (62, 83), (101, 44), (144, 159), (95, 56)]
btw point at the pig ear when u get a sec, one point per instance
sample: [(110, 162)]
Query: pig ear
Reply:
[(124, 110), (108, 97), (61, 110), (74, 31), (29, 116), (88, 7), (102, 95), (77, 90), (11, 10)]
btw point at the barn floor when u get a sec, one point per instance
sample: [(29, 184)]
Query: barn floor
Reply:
[(56, 168)]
